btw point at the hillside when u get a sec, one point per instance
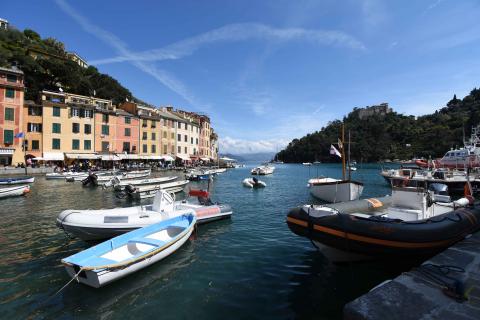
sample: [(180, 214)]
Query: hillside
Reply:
[(46, 66), (392, 136)]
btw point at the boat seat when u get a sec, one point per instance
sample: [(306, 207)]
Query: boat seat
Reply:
[(98, 261), (150, 241)]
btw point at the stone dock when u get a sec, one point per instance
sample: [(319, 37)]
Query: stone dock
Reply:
[(9, 171), (420, 293)]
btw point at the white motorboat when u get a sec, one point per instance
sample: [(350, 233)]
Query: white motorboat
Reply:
[(121, 175), (253, 183), (335, 190), (143, 192), (14, 191), (108, 223), (263, 170), (119, 184), (307, 163), (130, 252), (16, 180)]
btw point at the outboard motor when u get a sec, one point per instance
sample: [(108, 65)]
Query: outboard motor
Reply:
[(439, 192), (255, 181), (203, 196)]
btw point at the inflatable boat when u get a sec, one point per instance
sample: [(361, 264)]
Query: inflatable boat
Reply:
[(254, 183), (411, 222), (107, 223)]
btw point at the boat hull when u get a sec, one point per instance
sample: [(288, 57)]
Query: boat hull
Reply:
[(337, 191), (14, 191), (16, 180)]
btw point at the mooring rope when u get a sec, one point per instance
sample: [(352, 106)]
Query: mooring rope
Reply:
[(62, 288)]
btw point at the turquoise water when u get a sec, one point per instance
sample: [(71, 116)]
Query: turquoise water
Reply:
[(248, 267)]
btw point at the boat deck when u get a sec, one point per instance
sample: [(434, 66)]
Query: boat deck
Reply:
[(413, 295)]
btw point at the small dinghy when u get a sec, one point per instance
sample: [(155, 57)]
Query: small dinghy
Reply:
[(197, 175), (412, 222), (14, 191), (16, 180), (107, 223), (120, 185), (130, 252), (254, 183)]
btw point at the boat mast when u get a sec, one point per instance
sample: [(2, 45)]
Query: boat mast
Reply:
[(343, 151), (349, 168)]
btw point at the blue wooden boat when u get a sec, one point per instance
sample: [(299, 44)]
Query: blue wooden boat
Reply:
[(17, 180), (130, 252)]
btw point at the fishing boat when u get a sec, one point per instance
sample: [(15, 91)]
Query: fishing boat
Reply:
[(253, 183), (197, 175), (130, 252), (107, 223), (337, 190), (412, 222), (263, 170), (143, 192), (16, 180), (119, 184), (14, 191)]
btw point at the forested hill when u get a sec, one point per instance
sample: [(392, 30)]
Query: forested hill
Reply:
[(51, 68), (391, 136)]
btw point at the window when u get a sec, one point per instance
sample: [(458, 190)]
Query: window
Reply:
[(165, 134), (144, 123), (56, 128), (153, 136), (34, 111), (11, 78), (154, 148), (35, 145), (186, 126), (56, 111), (10, 93), (126, 147), (165, 150), (134, 149), (179, 137), (8, 136), (144, 148), (195, 151), (179, 125), (34, 127), (179, 149), (76, 127), (144, 136), (9, 114), (88, 113), (186, 150), (127, 132), (128, 120), (105, 130), (56, 144), (105, 118), (87, 129), (154, 124), (105, 146), (75, 112), (75, 144), (191, 140), (87, 144), (196, 140), (186, 138)]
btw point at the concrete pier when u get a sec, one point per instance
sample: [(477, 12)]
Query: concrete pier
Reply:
[(415, 295), (9, 171)]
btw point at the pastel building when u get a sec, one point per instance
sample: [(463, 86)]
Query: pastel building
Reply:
[(11, 115), (126, 132), (169, 132), (205, 132), (33, 128), (105, 128)]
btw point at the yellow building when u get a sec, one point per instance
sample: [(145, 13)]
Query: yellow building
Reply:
[(33, 127)]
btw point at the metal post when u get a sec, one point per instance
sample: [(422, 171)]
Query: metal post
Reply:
[(343, 151)]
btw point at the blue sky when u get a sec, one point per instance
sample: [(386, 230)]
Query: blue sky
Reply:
[(270, 71)]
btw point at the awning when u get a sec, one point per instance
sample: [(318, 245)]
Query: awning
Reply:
[(82, 156), (184, 158), (7, 151), (156, 158), (53, 156), (38, 159), (168, 158), (110, 157), (130, 156), (205, 159)]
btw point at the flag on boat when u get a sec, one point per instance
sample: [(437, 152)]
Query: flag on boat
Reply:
[(20, 135), (334, 151)]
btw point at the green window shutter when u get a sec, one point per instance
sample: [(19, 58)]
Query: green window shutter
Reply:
[(8, 136), (56, 144), (35, 145), (9, 114), (56, 111), (56, 128), (75, 144), (105, 130), (87, 144), (10, 93)]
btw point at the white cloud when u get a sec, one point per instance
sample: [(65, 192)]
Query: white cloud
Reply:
[(121, 48), (238, 32), (243, 146)]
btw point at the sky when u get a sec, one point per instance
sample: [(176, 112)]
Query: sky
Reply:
[(270, 71)]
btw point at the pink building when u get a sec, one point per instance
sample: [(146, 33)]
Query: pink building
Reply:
[(127, 128)]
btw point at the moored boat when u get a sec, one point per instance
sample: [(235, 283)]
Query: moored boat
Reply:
[(16, 180), (14, 191), (108, 223), (253, 183), (414, 222), (149, 191), (335, 190), (263, 170), (119, 184), (130, 252)]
